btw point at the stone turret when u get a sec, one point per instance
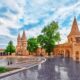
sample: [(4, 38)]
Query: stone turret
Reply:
[(23, 40), (19, 40), (74, 31), (18, 47), (23, 36)]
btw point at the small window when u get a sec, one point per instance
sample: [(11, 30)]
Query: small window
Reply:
[(77, 39), (77, 52), (77, 55)]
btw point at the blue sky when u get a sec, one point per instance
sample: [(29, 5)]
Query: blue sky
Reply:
[(33, 15)]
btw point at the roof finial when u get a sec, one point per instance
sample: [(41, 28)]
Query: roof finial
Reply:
[(18, 37)]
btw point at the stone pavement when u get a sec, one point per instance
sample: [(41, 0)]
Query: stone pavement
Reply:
[(24, 63)]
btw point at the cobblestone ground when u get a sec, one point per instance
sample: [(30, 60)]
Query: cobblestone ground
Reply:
[(52, 69)]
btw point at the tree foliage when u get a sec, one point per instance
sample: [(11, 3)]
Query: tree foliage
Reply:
[(32, 44), (10, 48), (50, 35)]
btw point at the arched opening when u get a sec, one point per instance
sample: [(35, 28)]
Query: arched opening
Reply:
[(61, 53), (77, 56), (41, 54), (67, 54)]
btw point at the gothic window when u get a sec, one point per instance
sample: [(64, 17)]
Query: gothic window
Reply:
[(77, 55), (67, 53)]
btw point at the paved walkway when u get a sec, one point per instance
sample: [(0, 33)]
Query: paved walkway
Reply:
[(52, 69), (22, 64), (55, 69)]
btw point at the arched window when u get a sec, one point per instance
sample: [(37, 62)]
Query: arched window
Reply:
[(67, 54)]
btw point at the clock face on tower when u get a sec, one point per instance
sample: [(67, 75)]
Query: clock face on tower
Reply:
[(78, 39)]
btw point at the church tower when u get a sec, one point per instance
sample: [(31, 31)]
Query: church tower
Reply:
[(74, 31), (19, 40), (24, 40), (24, 43), (21, 48), (18, 47)]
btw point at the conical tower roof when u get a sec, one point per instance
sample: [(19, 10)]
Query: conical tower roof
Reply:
[(74, 29), (24, 35), (18, 37)]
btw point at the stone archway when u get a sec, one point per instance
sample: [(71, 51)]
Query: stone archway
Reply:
[(67, 54), (77, 56), (62, 53)]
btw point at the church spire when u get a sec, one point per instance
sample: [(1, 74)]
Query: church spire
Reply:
[(74, 29), (24, 35), (18, 37), (18, 40)]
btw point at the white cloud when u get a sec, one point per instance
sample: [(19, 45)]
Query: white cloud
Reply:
[(40, 2), (64, 32)]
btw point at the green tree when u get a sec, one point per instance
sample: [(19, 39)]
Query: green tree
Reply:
[(32, 45), (50, 35), (10, 48), (41, 39)]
